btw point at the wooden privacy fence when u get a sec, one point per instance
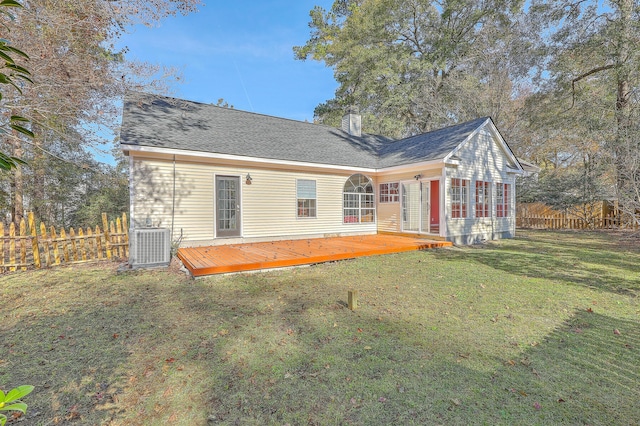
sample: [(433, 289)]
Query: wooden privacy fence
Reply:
[(27, 245), (597, 215), (564, 222)]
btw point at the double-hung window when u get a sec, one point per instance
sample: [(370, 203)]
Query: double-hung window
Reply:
[(503, 199), (459, 198), (306, 197), (483, 199)]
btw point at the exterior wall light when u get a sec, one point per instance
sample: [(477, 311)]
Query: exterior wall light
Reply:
[(249, 179)]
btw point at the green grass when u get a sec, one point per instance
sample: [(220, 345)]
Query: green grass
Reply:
[(513, 332)]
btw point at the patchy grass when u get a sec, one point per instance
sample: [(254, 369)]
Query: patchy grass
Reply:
[(542, 329)]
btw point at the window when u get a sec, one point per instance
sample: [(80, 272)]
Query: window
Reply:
[(503, 199), (483, 199), (390, 192), (459, 198), (306, 196), (358, 200)]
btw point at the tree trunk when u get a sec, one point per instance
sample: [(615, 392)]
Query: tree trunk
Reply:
[(17, 186)]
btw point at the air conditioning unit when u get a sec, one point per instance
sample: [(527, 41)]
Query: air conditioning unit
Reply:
[(149, 247)]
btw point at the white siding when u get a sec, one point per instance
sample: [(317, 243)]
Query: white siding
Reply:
[(481, 158), (268, 205)]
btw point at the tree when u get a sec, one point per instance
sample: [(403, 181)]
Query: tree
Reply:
[(81, 78), (11, 73), (415, 65), (591, 67)]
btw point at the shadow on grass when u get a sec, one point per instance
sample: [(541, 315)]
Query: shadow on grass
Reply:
[(279, 348), (319, 363), (593, 260), (581, 374)]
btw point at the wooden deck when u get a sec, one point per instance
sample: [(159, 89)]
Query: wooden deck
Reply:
[(222, 259)]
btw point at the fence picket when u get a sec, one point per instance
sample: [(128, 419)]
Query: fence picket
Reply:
[(90, 240), (99, 242), (45, 244), (34, 241), (119, 231), (107, 240), (65, 248), (25, 246), (54, 240), (12, 246), (81, 247), (116, 251)]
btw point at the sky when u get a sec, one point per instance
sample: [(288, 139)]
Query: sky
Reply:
[(241, 51)]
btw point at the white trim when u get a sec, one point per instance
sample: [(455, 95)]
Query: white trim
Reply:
[(431, 164), (421, 181), (243, 158), (298, 217)]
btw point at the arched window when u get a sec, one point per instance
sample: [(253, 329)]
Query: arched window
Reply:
[(358, 200)]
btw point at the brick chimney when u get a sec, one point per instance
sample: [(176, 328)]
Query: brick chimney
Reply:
[(352, 122)]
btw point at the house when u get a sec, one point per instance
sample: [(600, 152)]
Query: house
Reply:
[(215, 175)]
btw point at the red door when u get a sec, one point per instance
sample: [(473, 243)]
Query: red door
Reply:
[(434, 226)]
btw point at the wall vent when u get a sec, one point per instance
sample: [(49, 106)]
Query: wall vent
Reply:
[(149, 247)]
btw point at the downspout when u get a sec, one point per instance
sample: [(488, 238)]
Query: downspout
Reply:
[(131, 192), (173, 197)]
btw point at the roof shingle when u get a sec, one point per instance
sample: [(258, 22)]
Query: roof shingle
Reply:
[(163, 122)]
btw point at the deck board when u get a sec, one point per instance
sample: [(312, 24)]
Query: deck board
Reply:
[(221, 259)]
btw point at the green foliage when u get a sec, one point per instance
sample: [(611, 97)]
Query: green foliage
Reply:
[(10, 73), (412, 66), (11, 401)]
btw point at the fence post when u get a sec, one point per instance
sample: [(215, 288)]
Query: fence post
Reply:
[(34, 240)]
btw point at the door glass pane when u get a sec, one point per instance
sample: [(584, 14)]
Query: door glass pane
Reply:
[(411, 206), (424, 225), (227, 201)]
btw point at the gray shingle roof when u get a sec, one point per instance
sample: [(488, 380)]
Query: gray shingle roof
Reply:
[(163, 122)]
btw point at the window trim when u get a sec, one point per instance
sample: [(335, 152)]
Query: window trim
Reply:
[(364, 197), (462, 186), (309, 208), (389, 196)]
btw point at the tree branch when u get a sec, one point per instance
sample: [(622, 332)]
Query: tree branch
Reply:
[(583, 76)]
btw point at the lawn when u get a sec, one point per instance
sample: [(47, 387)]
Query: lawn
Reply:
[(543, 329)]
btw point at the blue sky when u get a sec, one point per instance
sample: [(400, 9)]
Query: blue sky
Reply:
[(241, 51)]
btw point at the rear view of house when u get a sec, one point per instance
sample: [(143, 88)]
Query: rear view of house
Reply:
[(214, 175)]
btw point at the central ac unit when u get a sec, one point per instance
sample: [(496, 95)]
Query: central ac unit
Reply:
[(149, 247)]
